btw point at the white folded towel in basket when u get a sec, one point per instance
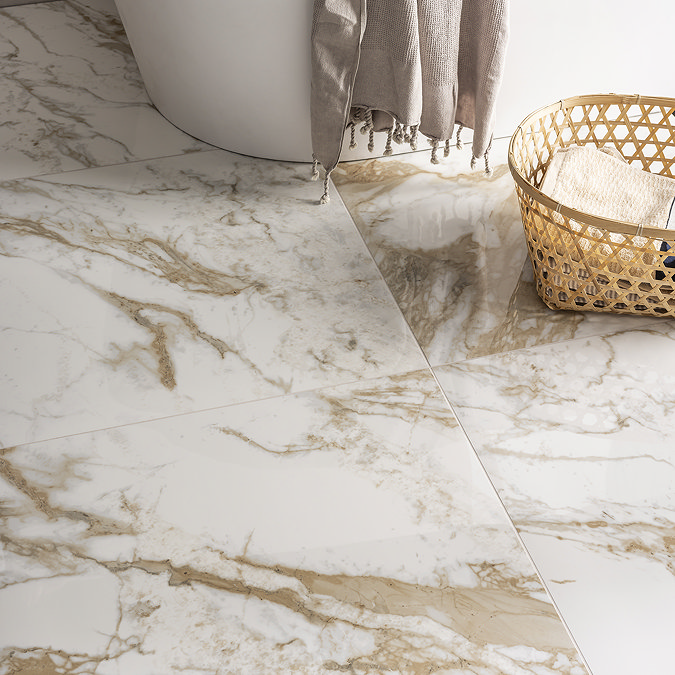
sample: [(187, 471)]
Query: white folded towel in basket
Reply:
[(601, 183)]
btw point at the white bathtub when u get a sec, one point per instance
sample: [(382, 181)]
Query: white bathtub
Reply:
[(234, 73)]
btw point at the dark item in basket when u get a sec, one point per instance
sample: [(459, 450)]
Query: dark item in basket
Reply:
[(668, 262)]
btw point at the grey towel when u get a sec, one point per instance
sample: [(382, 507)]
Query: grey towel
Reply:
[(424, 64)]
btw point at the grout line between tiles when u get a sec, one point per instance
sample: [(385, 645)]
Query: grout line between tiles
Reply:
[(8, 4), (471, 445), (379, 272), (187, 413), (211, 148), (56, 174), (513, 525)]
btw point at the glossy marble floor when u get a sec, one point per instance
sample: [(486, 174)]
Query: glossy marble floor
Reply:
[(241, 433)]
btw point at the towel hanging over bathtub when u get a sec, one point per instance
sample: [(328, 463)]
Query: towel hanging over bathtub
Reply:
[(405, 66)]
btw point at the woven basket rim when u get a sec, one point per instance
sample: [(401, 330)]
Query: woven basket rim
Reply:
[(580, 216)]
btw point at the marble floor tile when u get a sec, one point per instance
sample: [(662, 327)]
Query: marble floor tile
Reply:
[(450, 244), (577, 439), (349, 529), (72, 94), (144, 290)]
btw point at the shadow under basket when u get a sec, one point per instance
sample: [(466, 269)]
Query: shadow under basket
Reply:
[(584, 262)]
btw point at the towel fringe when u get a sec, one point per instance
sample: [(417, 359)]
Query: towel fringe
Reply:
[(352, 139), (399, 134), (387, 148), (488, 168), (325, 198), (367, 121), (486, 157), (434, 150), (413, 136), (459, 145)]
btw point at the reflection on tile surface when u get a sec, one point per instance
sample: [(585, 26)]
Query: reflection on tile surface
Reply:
[(450, 245), (72, 94), (576, 438), (348, 529), (144, 290)]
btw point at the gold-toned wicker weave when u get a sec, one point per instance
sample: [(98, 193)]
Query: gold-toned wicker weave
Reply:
[(581, 261)]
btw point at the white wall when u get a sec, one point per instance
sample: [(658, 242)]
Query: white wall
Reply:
[(565, 48)]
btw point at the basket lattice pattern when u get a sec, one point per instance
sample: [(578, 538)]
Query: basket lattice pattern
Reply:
[(581, 261)]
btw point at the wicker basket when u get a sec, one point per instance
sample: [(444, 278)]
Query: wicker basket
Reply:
[(581, 261)]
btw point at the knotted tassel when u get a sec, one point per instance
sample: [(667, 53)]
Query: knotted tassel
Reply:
[(488, 168), (352, 139), (387, 148), (446, 150), (406, 134), (434, 150), (315, 168), (368, 122), (413, 137), (473, 161), (398, 134), (325, 198), (459, 145), (371, 139)]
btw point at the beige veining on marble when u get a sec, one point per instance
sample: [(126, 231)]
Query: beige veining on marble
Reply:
[(174, 276), (106, 509), (72, 93), (576, 437)]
